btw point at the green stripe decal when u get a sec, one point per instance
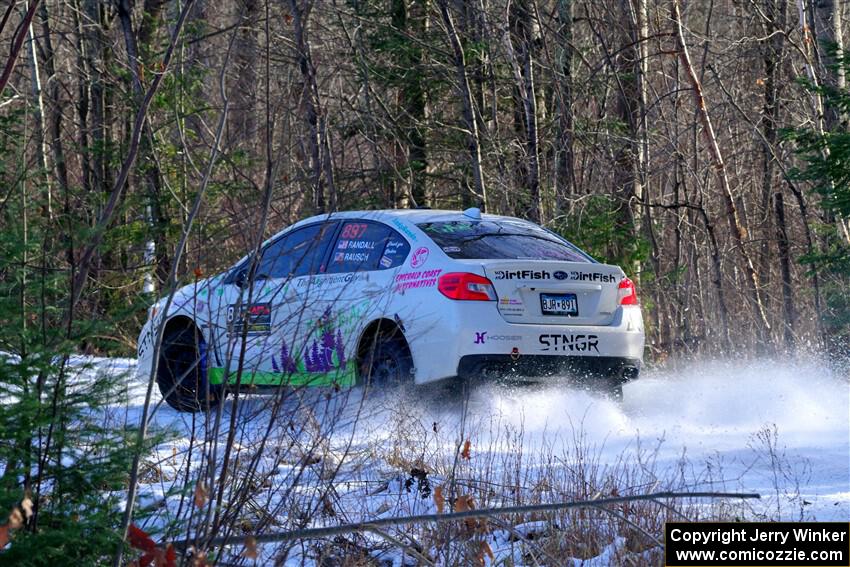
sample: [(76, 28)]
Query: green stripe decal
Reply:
[(339, 377)]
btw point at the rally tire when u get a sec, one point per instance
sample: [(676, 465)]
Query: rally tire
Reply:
[(387, 364), (183, 354)]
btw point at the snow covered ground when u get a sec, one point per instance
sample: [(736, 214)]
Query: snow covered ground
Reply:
[(781, 429)]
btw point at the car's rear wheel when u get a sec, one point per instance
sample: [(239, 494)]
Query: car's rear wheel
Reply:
[(386, 362), (182, 371)]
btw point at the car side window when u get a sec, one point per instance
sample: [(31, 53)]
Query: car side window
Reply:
[(296, 254), (363, 246)]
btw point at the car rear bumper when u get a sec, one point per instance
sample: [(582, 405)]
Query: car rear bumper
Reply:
[(474, 331), (485, 366)]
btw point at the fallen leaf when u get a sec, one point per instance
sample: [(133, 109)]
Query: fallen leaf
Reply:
[(464, 503), (139, 539), (26, 506), (199, 558), (170, 556), (250, 548), (287, 18), (484, 550), (465, 453), (439, 501), (485, 547), (198, 273), (16, 519), (200, 494)]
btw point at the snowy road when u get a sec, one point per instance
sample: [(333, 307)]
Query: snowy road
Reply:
[(779, 429), (736, 417), (727, 415)]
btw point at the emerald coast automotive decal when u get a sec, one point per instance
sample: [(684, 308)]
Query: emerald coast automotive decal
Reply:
[(322, 359)]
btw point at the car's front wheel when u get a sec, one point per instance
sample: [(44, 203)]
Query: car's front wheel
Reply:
[(182, 372), (386, 362)]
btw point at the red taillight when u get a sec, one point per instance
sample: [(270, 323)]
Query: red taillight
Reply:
[(627, 293), (466, 287)]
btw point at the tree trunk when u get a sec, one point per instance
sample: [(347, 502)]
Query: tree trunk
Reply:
[(53, 95), (42, 148), (242, 124), (774, 51), (322, 176), (410, 20), (473, 141), (522, 33), (630, 157), (157, 247), (564, 153), (732, 216)]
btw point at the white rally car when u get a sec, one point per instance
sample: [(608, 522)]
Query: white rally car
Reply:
[(395, 296)]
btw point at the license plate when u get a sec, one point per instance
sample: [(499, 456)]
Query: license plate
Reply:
[(564, 304)]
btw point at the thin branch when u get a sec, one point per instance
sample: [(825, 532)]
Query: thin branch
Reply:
[(312, 533), (17, 42)]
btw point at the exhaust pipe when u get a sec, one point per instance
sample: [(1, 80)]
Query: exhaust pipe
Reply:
[(630, 373)]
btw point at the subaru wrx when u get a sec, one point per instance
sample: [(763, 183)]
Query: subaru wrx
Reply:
[(391, 297)]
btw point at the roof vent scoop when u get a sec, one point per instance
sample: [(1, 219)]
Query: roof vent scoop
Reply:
[(473, 213)]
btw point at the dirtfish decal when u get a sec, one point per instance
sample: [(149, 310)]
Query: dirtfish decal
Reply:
[(561, 275)]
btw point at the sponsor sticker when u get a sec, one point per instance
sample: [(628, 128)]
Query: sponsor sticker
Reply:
[(419, 257), (484, 337), (255, 319), (575, 275), (403, 229), (415, 280), (569, 343), (325, 279)]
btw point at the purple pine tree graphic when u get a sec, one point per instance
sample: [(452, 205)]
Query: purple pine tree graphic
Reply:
[(286, 360), (318, 359), (340, 349), (309, 365), (328, 347)]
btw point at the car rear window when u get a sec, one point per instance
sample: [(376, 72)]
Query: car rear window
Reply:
[(502, 240)]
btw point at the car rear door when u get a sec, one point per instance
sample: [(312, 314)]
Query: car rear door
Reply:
[(354, 289)]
